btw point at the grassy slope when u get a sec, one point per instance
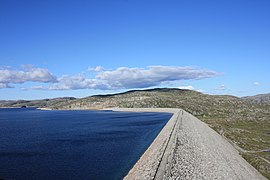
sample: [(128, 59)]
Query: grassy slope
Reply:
[(244, 123)]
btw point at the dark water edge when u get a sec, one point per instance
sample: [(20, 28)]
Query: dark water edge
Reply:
[(37, 144)]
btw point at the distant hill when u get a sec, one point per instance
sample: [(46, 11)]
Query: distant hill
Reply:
[(43, 103), (197, 103), (260, 98)]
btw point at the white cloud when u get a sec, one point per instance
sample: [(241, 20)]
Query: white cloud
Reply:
[(191, 88), (8, 76), (200, 90), (124, 77), (3, 85), (96, 69), (256, 83), (187, 87), (220, 88), (38, 87), (78, 82), (127, 78), (120, 78), (24, 89)]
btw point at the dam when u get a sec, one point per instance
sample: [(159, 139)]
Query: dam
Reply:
[(188, 148)]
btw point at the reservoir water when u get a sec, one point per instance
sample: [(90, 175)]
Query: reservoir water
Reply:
[(37, 144)]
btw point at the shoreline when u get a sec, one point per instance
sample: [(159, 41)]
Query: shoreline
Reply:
[(187, 148)]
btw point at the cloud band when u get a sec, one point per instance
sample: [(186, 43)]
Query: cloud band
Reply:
[(120, 78)]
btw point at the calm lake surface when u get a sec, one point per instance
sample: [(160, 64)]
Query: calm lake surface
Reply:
[(37, 144)]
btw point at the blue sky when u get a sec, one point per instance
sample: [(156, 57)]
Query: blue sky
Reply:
[(52, 48)]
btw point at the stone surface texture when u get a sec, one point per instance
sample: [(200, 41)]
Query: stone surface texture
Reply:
[(187, 148)]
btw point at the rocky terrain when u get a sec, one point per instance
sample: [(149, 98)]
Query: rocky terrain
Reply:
[(244, 122), (260, 98)]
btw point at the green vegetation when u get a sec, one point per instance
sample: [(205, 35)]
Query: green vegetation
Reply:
[(259, 161), (243, 121)]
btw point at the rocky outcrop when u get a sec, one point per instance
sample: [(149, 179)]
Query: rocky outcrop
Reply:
[(260, 98)]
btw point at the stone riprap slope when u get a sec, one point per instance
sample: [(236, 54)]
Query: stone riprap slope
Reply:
[(187, 148)]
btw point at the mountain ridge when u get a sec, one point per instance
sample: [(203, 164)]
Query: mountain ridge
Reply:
[(259, 98)]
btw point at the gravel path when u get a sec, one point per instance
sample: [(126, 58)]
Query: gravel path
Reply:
[(187, 148)]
